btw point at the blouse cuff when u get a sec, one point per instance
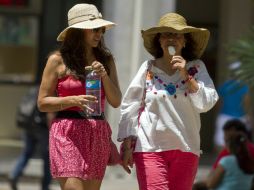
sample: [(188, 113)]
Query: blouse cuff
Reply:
[(127, 128), (204, 99), (198, 93)]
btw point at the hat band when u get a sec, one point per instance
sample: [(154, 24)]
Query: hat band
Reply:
[(82, 18)]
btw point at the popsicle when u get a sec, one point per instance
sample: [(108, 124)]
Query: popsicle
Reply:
[(171, 50)]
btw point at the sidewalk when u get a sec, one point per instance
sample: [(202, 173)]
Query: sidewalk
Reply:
[(115, 178)]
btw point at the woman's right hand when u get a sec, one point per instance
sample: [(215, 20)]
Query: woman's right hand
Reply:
[(82, 101)]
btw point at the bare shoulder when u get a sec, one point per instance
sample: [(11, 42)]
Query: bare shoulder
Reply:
[(55, 64), (55, 58)]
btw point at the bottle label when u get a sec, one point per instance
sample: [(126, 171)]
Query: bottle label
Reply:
[(93, 84)]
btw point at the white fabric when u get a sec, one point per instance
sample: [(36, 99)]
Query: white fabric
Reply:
[(167, 123)]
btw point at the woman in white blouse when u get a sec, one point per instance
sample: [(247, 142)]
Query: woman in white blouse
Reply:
[(174, 88)]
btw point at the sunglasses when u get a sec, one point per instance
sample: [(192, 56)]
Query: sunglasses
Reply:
[(101, 29), (171, 35)]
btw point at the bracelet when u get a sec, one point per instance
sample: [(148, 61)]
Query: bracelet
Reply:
[(104, 74), (188, 78)]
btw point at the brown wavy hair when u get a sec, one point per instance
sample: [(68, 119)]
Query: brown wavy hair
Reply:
[(73, 51), (187, 52)]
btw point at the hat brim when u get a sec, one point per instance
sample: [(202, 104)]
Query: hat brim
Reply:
[(199, 35), (89, 24)]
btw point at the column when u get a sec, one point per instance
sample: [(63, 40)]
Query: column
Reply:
[(125, 41)]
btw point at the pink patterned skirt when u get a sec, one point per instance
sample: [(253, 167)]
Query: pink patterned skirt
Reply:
[(79, 148)]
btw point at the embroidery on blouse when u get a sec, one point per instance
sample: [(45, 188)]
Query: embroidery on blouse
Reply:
[(170, 87)]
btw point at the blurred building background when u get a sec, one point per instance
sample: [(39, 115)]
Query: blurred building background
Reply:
[(28, 31)]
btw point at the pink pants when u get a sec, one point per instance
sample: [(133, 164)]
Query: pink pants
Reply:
[(168, 170)]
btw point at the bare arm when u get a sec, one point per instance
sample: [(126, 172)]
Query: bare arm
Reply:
[(215, 177), (112, 88), (110, 83), (179, 63), (127, 155), (192, 84), (47, 99), (50, 116)]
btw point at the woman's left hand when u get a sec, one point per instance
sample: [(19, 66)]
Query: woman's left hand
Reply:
[(127, 159), (99, 68)]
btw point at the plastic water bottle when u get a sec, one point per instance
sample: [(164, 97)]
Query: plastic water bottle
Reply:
[(93, 87)]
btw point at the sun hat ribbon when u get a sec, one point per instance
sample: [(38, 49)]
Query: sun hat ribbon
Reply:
[(85, 17)]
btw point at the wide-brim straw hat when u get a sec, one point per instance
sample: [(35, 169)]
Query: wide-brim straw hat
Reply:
[(84, 16), (175, 23)]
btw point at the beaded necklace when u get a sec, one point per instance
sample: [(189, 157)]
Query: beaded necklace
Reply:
[(171, 87)]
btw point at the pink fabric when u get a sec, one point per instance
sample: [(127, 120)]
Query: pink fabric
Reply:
[(70, 86), (167, 170), (79, 148)]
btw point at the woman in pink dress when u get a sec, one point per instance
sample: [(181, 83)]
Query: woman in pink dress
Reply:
[(79, 144)]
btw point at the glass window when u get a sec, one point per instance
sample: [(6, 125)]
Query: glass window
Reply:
[(18, 48)]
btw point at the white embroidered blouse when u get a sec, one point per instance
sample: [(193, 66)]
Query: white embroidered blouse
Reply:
[(171, 118)]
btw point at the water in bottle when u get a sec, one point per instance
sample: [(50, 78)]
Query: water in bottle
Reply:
[(93, 87)]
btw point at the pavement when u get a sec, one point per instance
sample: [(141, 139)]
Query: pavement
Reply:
[(115, 177)]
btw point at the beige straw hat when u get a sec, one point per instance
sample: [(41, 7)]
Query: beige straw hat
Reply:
[(175, 23), (84, 16)]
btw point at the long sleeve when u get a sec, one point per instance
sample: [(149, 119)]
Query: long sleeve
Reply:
[(174, 116), (131, 104), (206, 96)]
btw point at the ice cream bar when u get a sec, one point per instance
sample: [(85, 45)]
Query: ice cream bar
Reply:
[(171, 50)]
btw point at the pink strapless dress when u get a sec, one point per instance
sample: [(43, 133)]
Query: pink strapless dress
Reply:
[(78, 147)]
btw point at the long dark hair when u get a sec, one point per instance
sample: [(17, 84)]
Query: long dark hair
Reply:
[(158, 52), (73, 53), (187, 52), (238, 146)]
